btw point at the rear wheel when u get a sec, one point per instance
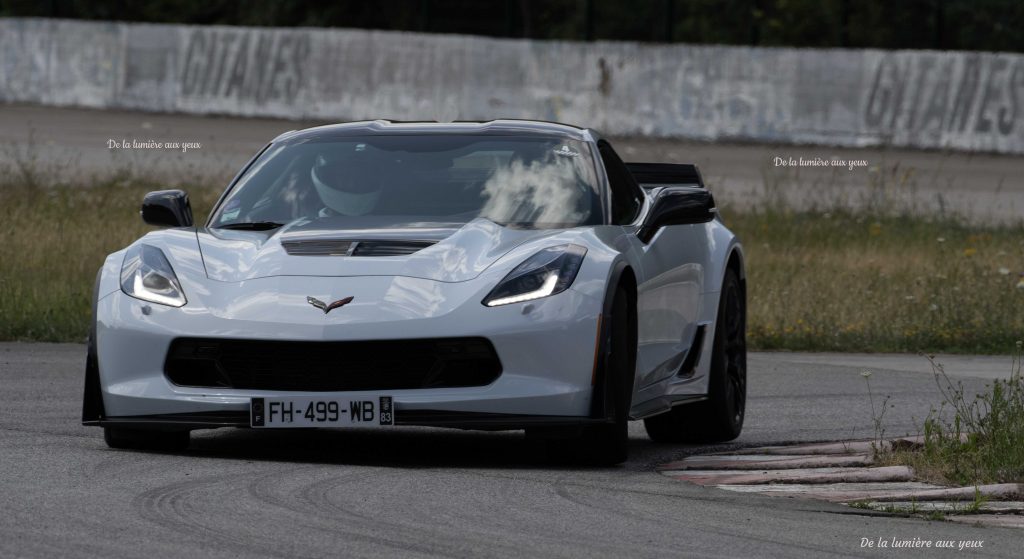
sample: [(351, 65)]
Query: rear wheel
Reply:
[(120, 437), (607, 444), (720, 417)]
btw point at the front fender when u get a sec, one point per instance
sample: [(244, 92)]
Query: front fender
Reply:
[(724, 245)]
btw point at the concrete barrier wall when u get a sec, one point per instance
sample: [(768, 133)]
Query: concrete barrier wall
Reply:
[(925, 99)]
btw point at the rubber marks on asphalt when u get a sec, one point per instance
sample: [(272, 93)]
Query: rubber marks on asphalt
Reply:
[(842, 472)]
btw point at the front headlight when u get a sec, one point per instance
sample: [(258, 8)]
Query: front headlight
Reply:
[(146, 274), (550, 271)]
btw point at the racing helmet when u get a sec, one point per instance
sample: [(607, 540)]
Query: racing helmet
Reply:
[(345, 186)]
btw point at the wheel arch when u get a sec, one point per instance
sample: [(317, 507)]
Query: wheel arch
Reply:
[(728, 255), (92, 398), (736, 264), (621, 275)]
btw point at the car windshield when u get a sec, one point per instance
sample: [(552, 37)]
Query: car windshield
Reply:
[(417, 181)]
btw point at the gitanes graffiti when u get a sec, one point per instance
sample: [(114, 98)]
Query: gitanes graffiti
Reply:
[(947, 95), (922, 99), (240, 64)]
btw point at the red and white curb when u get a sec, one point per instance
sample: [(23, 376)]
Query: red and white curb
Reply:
[(843, 472)]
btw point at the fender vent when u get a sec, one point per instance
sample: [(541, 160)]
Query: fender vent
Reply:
[(689, 366), (342, 247)]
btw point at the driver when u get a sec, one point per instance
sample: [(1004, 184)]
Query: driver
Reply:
[(346, 186)]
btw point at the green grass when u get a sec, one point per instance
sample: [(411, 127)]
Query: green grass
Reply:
[(54, 238), (845, 280), (836, 280), (971, 440)]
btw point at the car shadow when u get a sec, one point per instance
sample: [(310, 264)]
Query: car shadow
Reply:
[(412, 447)]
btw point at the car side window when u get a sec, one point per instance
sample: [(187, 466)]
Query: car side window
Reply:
[(626, 194)]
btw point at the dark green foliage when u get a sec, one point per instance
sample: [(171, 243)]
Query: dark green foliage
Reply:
[(989, 25)]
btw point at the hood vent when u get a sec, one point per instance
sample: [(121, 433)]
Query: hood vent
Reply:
[(389, 248), (339, 247), (324, 247)]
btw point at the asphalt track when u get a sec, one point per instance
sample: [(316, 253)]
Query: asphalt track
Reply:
[(436, 493), (73, 143), (430, 493)]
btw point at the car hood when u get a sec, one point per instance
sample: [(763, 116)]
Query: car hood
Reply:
[(459, 253)]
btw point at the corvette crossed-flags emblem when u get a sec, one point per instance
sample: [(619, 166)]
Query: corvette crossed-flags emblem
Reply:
[(328, 307)]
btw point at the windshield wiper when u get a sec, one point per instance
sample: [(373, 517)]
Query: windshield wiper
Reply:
[(252, 226)]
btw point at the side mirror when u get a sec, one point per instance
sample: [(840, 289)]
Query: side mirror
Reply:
[(167, 208), (677, 206)]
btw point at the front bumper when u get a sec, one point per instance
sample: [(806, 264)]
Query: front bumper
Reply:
[(546, 348)]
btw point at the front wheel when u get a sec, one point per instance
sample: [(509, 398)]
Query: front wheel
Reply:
[(606, 444), (720, 417)]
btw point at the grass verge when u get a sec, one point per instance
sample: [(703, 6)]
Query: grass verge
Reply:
[(970, 441), (846, 280), (818, 279), (55, 238)]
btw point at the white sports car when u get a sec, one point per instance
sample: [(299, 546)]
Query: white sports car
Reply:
[(487, 275)]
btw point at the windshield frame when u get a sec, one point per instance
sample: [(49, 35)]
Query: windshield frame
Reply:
[(600, 179)]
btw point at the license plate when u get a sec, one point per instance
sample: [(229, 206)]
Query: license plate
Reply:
[(369, 411)]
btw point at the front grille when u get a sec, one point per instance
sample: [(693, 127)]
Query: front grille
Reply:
[(332, 366), (342, 247)]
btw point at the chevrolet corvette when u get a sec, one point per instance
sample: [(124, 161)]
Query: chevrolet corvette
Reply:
[(501, 275)]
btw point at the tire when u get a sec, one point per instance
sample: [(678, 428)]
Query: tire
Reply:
[(142, 439), (720, 417), (607, 444)]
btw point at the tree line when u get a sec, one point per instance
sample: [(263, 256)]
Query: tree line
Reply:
[(986, 25)]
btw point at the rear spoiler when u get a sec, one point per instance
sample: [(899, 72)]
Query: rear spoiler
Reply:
[(650, 175)]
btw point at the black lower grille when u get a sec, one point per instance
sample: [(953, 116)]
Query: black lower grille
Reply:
[(332, 366)]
